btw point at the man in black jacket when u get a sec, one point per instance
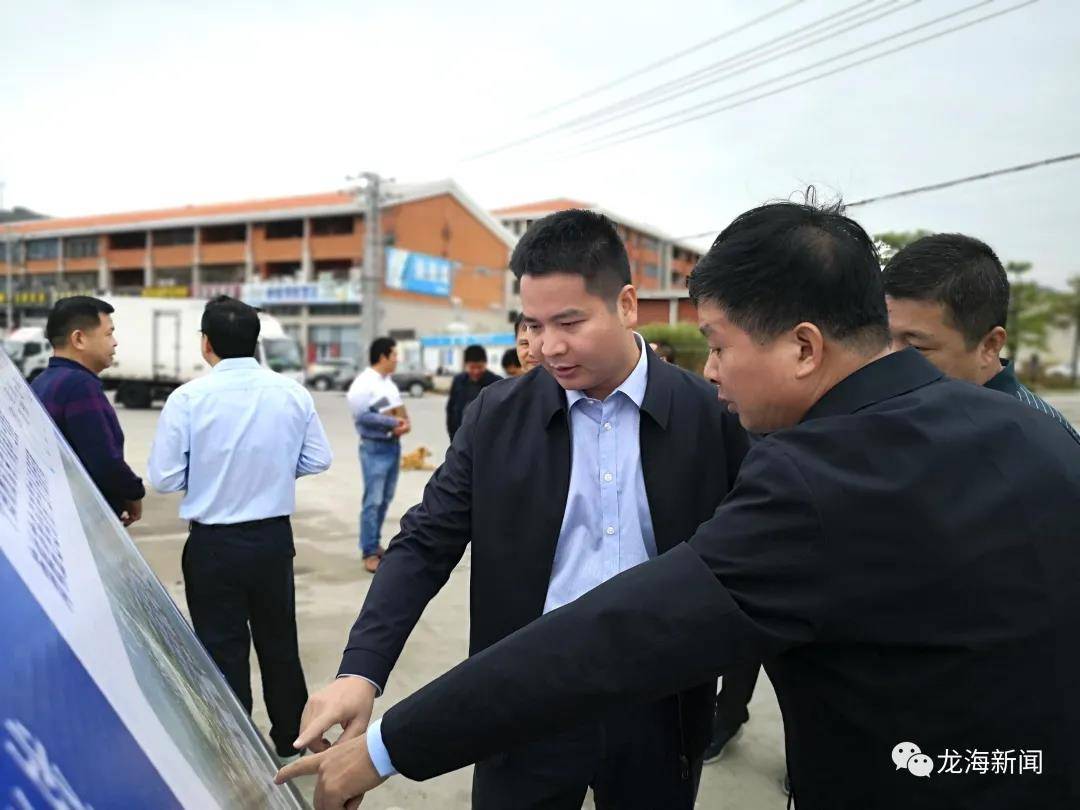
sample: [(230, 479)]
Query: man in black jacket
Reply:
[(467, 385), (560, 479), (901, 549)]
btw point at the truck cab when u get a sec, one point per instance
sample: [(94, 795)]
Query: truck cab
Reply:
[(29, 350), (279, 351)]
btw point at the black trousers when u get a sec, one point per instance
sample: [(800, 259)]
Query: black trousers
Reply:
[(632, 761), (239, 584), (733, 700)]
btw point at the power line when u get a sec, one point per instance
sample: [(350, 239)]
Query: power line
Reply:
[(1023, 167), (671, 124), (734, 59), (669, 59), (736, 65), (731, 61)]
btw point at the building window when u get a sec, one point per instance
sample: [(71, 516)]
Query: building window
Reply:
[(648, 243), (81, 247), (332, 226), (38, 249), (215, 234), (79, 283), (285, 229), (221, 273), (174, 236), (652, 270), (127, 241), (127, 281)]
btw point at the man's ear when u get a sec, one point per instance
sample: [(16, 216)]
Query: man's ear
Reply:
[(809, 346), (627, 306)]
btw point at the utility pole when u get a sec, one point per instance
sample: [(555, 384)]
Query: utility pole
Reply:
[(9, 296), (368, 195)]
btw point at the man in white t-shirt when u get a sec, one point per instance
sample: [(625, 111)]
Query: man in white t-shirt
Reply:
[(381, 420)]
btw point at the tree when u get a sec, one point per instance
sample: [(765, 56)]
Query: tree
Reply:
[(892, 242), (1034, 309), (1069, 310)]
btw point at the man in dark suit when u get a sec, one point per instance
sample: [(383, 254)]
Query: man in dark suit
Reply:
[(560, 478), (901, 549), (948, 297), (467, 385)]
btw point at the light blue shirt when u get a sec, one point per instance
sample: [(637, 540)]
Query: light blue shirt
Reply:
[(607, 527), (235, 441)]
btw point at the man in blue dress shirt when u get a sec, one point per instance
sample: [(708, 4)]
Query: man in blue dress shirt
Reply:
[(560, 479), (234, 442)]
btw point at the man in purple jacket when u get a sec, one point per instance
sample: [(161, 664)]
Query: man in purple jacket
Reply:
[(80, 330)]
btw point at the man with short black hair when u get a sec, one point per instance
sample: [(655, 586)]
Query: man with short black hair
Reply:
[(511, 363), (900, 549), (80, 329), (380, 418), (467, 385), (234, 442), (559, 480), (526, 359), (948, 297)]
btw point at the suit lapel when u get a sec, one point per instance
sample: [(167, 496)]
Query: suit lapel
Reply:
[(662, 481)]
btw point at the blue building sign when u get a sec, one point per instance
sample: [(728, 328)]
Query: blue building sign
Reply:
[(418, 272)]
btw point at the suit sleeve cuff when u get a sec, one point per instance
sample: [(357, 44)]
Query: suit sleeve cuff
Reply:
[(378, 689), (380, 757), (367, 664)]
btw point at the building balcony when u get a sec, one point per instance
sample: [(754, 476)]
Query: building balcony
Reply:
[(37, 266), (85, 264), (173, 256), (131, 258), (278, 250), (221, 253), (347, 246)]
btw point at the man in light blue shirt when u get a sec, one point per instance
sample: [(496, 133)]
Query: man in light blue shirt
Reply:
[(234, 442), (559, 479)]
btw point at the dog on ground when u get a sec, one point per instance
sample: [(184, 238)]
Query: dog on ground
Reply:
[(417, 459)]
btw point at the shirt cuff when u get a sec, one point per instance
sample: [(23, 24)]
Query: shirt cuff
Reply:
[(378, 689), (380, 757)]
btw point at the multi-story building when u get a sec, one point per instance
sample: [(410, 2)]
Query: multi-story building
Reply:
[(657, 261), (300, 258)]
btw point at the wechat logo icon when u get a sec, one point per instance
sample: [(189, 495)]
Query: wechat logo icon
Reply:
[(909, 757)]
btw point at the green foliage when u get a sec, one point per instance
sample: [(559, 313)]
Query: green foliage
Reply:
[(1034, 310), (892, 242), (691, 349)]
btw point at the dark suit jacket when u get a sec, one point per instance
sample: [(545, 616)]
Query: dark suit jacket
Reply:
[(504, 486), (462, 392), (907, 562)]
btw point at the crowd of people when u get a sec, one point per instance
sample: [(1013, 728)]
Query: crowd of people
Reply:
[(858, 495)]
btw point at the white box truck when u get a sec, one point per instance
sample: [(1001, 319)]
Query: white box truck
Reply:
[(159, 348), (28, 350)]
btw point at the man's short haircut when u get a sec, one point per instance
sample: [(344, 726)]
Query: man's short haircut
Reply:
[(380, 348), (519, 324), (960, 273), (578, 242), (665, 350), (784, 263), (475, 354), (231, 326), (510, 360), (80, 312)]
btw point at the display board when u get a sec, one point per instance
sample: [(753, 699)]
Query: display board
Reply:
[(107, 699)]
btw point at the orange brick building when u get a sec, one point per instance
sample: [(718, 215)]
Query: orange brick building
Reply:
[(657, 261), (297, 257)]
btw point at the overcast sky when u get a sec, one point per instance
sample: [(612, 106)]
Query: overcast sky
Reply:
[(113, 106)]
